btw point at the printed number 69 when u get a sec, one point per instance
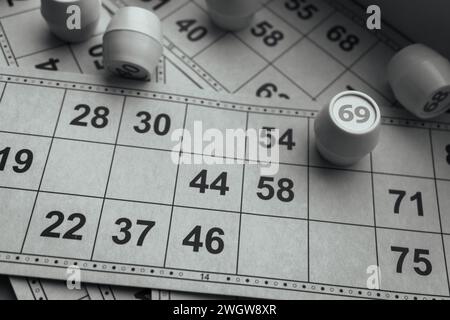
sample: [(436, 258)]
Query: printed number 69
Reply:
[(348, 114)]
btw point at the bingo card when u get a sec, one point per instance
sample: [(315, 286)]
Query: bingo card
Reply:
[(39, 289), (89, 180)]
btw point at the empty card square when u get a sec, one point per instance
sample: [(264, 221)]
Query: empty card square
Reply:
[(30, 33), (204, 125), (443, 188), (77, 167), (341, 254), (16, 209), (26, 108), (309, 67), (143, 175), (274, 248), (341, 196), (403, 150)]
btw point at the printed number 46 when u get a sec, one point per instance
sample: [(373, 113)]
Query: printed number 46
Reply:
[(213, 243)]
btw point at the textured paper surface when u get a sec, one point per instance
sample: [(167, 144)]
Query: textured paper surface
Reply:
[(269, 250)]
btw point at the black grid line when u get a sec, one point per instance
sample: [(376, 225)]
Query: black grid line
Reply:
[(242, 199), (109, 176), (193, 66), (43, 171), (175, 186), (308, 200), (372, 182), (75, 58), (439, 208), (3, 91), (332, 57)]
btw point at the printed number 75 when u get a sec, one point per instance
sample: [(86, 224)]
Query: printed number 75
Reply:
[(418, 258)]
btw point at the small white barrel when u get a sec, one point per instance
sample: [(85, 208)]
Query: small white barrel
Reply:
[(348, 128), (132, 43), (420, 80)]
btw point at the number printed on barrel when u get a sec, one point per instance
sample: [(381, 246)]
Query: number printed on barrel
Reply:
[(354, 113), (439, 101)]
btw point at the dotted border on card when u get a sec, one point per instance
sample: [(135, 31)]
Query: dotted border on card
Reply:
[(6, 48), (191, 64), (206, 102), (215, 278), (192, 275)]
